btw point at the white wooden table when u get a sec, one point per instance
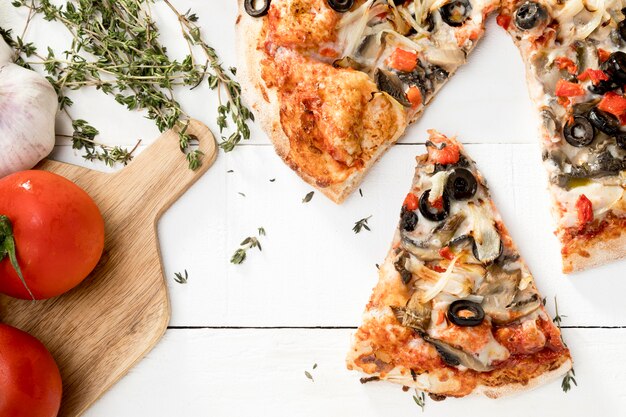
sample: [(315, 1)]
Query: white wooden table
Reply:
[(242, 336)]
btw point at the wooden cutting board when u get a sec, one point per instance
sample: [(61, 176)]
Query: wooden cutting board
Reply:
[(99, 330)]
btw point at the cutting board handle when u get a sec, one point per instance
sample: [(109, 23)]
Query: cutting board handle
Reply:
[(152, 169)]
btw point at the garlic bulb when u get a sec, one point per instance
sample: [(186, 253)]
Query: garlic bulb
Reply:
[(28, 106)]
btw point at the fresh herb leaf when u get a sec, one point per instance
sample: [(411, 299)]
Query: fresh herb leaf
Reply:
[(558, 318), (308, 197), (314, 365), (361, 192), (248, 243), (420, 399), (115, 48), (361, 224), (308, 375), (272, 179), (180, 278), (568, 380), (230, 171), (241, 194)]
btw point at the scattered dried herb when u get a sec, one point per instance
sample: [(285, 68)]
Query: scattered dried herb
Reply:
[(308, 197), (248, 243), (361, 224), (180, 278)]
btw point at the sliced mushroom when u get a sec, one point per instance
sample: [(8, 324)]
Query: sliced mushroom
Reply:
[(414, 315), (389, 83), (499, 289), (399, 264), (487, 243), (443, 232), (457, 357), (348, 62), (524, 303)]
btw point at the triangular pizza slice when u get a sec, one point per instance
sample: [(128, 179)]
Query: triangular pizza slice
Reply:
[(576, 69), (456, 310), (334, 83)]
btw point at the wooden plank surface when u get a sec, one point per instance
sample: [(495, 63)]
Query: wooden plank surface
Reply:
[(314, 271), (226, 373)]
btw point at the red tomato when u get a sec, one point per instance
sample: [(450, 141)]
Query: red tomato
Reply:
[(448, 154), (585, 210), (415, 97), (613, 103), (403, 60), (569, 89), (594, 75), (58, 232), (503, 21), (30, 382), (567, 64), (446, 253), (411, 202)]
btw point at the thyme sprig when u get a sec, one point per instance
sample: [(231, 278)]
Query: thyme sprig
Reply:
[(250, 242), (361, 224), (115, 48), (569, 377), (420, 399), (180, 278)]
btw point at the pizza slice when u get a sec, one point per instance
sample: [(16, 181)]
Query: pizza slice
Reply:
[(334, 83), (456, 310), (576, 70)]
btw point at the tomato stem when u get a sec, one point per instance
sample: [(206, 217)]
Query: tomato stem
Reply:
[(7, 248)]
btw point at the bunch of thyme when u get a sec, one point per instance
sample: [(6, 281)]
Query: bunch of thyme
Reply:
[(115, 48)]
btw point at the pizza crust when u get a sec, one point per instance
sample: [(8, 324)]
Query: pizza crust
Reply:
[(403, 376), (603, 249)]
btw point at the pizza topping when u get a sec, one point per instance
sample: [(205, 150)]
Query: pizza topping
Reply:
[(341, 6), (408, 220), (389, 83), (596, 76), (439, 213), (453, 356), (578, 131), (402, 60), (603, 121), (461, 184), (564, 63), (487, 244), (613, 103), (466, 313), (584, 209), (615, 66), (441, 151), (415, 315), (568, 89), (257, 8), (410, 202), (415, 97), (530, 15), (455, 12)]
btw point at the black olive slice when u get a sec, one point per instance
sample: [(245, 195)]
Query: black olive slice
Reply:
[(530, 15), (340, 6), (621, 140), (461, 184), (603, 87), (390, 83), (621, 29), (253, 9), (456, 12), (427, 210), (615, 66), (408, 220), (458, 313), (579, 132), (603, 121)]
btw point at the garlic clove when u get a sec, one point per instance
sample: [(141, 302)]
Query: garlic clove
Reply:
[(28, 106)]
